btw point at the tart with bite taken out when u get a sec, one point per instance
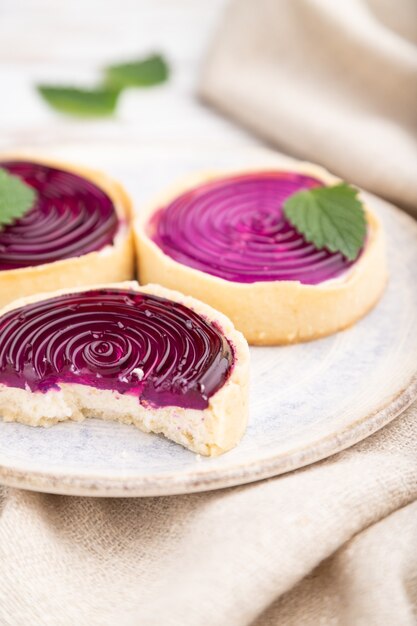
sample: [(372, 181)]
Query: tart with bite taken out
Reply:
[(146, 356), (76, 233), (225, 238)]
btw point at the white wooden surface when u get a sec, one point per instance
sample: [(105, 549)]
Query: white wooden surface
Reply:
[(67, 41)]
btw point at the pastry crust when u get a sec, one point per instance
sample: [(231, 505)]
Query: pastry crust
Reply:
[(271, 312), (111, 263), (210, 431)]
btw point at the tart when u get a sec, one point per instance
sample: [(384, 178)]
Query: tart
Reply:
[(223, 238), (146, 356), (77, 233)]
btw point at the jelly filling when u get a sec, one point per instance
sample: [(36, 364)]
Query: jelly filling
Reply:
[(235, 228), (118, 339), (71, 217)]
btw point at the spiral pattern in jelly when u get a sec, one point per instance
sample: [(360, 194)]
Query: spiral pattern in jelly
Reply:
[(71, 217), (235, 228), (118, 339)]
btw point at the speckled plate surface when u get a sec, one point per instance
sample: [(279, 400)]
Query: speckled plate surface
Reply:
[(308, 401)]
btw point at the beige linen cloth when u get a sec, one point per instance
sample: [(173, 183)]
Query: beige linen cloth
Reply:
[(334, 544), (333, 82)]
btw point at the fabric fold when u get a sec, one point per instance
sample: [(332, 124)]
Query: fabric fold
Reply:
[(331, 544), (335, 83)]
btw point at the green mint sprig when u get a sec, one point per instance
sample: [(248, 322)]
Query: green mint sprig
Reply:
[(16, 198), (80, 102), (329, 217), (102, 100), (142, 73)]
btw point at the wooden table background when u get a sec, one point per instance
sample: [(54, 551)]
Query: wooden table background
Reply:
[(66, 42)]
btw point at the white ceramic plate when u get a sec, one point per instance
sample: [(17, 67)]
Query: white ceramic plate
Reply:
[(308, 401)]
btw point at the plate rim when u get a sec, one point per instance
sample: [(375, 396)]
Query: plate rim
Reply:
[(164, 484)]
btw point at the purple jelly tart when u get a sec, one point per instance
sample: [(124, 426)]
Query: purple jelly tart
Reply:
[(76, 232), (140, 355), (226, 240)]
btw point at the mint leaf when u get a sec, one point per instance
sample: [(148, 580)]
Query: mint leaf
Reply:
[(16, 198), (80, 102), (141, 73), (329, 217)]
